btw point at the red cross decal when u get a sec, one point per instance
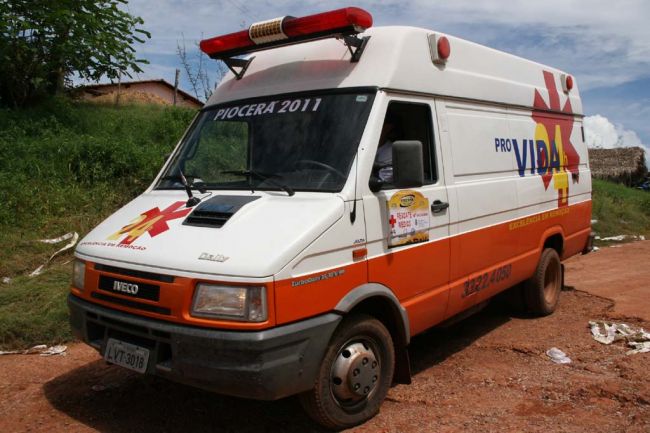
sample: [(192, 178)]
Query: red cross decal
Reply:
[(392, 221), (153, 221)]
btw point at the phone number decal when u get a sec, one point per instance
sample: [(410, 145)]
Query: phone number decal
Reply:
[(482, 282)]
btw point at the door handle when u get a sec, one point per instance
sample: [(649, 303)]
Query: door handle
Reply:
[(438, 206)]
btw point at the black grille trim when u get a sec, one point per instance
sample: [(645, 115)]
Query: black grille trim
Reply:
[(150, 292), (216, 211), (132, 304), (133, 273), (208, 219)]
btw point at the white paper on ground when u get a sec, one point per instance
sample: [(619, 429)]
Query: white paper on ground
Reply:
[(557, 356), (39, 349), (609, 332), (73, 236)]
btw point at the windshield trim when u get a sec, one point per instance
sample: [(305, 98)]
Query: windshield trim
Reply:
[(307, 93)]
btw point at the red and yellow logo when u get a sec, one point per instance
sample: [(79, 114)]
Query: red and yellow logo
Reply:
[(153, 221), (550, 153), (556, 156)]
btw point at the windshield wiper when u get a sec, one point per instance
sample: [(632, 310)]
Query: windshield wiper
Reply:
[(262, 176)]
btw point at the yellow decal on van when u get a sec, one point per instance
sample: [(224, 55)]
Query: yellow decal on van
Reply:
[(537, 218), (408, 218)]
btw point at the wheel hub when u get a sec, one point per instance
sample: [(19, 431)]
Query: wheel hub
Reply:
[(355, 372)]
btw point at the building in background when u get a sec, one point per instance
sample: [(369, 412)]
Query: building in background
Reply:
[(139, 92), (623, 165)]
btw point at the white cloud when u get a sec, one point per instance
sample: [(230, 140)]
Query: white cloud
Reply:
[(601, 133)]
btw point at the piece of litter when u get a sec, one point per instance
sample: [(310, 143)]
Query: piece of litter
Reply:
[(621, 238), (73, 236), (39, 349), (609, 332), (643, 347), (65, 237), (98, 388), (618, 238), (6, 280), (557, 356), (54, 350), (594, 221), (35, 349)]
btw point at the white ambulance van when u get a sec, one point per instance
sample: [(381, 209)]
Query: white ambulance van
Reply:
[(344, 189)]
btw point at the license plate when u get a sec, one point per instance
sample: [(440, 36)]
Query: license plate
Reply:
[(127, 355)]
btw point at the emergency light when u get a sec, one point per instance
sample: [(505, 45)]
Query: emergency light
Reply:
[(345, 23)]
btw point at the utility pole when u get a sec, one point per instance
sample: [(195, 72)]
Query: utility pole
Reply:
[(178, 73), (119, 86)]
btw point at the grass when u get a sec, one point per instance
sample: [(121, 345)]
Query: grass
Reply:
[(66, 166), (33, 310), (620, 210)]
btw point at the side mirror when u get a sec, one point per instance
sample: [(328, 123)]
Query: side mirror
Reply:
[(408, 167), (375, 183)]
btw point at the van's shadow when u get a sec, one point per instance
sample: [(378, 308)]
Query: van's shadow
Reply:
[(127, 402)]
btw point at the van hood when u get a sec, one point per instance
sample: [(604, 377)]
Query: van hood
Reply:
[(238, 234)]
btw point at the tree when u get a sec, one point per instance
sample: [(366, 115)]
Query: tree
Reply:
[(196, 70), (44, 42)]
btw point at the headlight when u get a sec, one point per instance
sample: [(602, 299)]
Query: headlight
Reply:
[(243, 303), (78, 274)]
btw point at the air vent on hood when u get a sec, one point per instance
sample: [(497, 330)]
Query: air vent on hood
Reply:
[(216, 211)]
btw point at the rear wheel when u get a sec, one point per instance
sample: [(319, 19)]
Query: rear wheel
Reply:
[(355, 374), (542, 290)]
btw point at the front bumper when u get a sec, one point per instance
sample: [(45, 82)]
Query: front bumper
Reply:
[(264, 365)]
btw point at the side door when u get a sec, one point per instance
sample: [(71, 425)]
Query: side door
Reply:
[(418, 271)]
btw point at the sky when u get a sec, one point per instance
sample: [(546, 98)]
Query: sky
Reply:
[(605, 45)]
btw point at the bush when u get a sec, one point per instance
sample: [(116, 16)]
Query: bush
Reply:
[(53, 158)]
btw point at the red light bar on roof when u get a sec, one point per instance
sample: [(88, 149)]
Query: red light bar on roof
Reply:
[(286, 31)]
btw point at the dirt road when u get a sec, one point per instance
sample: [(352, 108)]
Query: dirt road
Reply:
[(485, 374)]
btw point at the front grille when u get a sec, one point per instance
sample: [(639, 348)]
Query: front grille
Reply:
[(144, 291), (132, 304), (134, 273)]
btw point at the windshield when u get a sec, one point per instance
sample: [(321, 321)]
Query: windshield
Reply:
[(302, 143)]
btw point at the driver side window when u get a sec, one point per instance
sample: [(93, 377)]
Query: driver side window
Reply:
[(404, 121)]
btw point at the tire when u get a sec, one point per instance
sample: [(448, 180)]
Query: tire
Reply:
[(355, 374), (542, 290)]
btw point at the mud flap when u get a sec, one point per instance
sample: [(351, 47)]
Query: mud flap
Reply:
[(402, 367)]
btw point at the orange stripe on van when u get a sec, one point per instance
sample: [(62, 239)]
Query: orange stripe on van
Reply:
[(433, 280)]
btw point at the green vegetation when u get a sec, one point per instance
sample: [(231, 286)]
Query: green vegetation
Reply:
[(44, 42), (620, 210), (34, 311), (65, 167)]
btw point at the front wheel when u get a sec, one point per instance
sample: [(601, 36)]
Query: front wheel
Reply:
[(355, 374)]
